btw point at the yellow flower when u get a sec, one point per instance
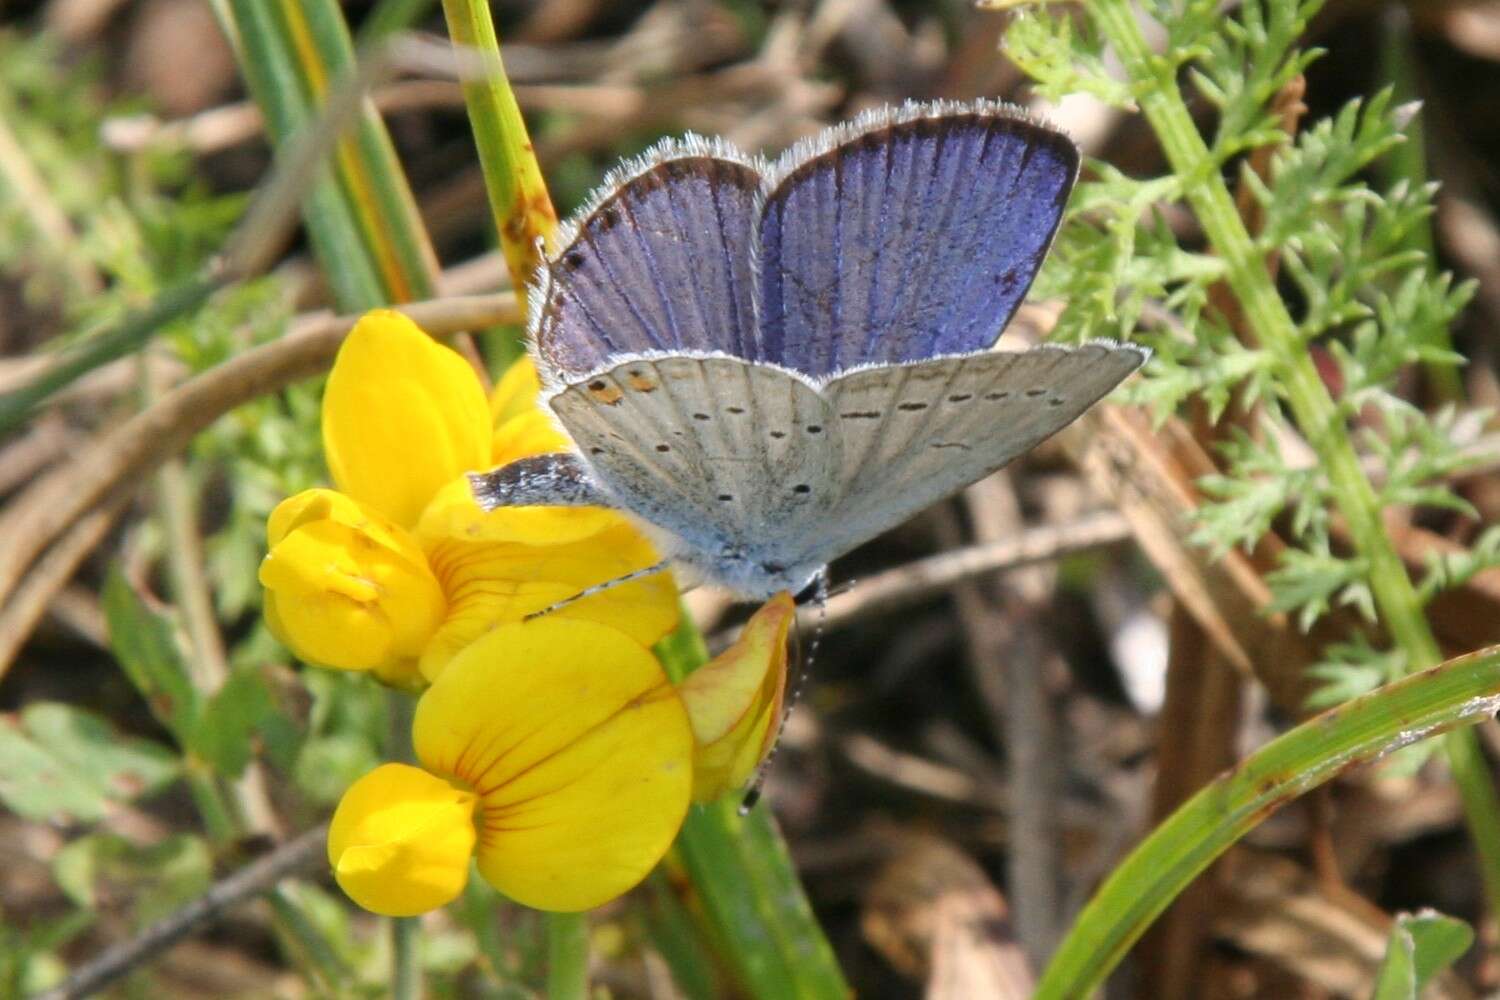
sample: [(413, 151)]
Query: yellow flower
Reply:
[(401, 840), (347, 588), (401, 564), (577, 754), (495, 583), (735, 702)]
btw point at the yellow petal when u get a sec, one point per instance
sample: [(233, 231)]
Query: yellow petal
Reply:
[(490, 584), (454, 514), (517, 391), (580, 752), (345, 587), (401, 840), (735, 701), (402, 416), (528, 433)]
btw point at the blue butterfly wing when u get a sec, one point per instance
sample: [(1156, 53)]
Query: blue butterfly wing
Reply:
[(912, 233), (660, 262)]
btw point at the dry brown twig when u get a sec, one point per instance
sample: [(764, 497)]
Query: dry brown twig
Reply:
[(304, 854), (917, 581)]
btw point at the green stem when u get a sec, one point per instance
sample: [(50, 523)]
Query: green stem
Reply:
[(1321, 420), (406, 953), (567, 956), (1459, 693), (218, 818), (757, 912), (406, 966), (512, 177), (301, 936)]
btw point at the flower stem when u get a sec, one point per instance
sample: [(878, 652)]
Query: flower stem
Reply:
[(406, 963), (567, 956), (1321, 420), (406, 943), (512, 177)]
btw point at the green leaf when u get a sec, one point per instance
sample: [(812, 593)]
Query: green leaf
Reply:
[(1421, 945), (63, 765), (230, 720), (34, 784), (145, 644), (104, 868), (123, 768)]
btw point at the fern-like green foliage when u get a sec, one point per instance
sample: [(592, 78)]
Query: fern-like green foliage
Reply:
[(1365, 298)]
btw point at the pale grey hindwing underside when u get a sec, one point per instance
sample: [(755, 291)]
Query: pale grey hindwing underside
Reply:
[(914, 434), (726, 454)]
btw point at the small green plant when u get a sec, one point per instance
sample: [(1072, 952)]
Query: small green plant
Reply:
[(1333, 298)]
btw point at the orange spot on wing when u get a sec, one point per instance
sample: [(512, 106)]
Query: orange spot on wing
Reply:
[(605, 392)]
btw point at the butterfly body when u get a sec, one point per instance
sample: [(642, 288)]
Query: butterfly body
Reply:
[(769, 364)]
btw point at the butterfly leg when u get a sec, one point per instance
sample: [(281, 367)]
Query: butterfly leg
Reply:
[(599, 588)]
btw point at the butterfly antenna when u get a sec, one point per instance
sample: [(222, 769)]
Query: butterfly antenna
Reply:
[(804, 667), (600, 588)]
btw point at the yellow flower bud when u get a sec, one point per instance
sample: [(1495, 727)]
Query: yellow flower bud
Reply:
[(347, 588), (401, 840), (734, 702)]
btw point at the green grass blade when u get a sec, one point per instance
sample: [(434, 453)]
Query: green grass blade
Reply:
[(391, 16), (1420, 946), (749, 888), (370, 173), (266, 62), (360, 215), (124, 337), (1458, 693)]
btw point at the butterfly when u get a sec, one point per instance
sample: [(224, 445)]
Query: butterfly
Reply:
[(770, 363)]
